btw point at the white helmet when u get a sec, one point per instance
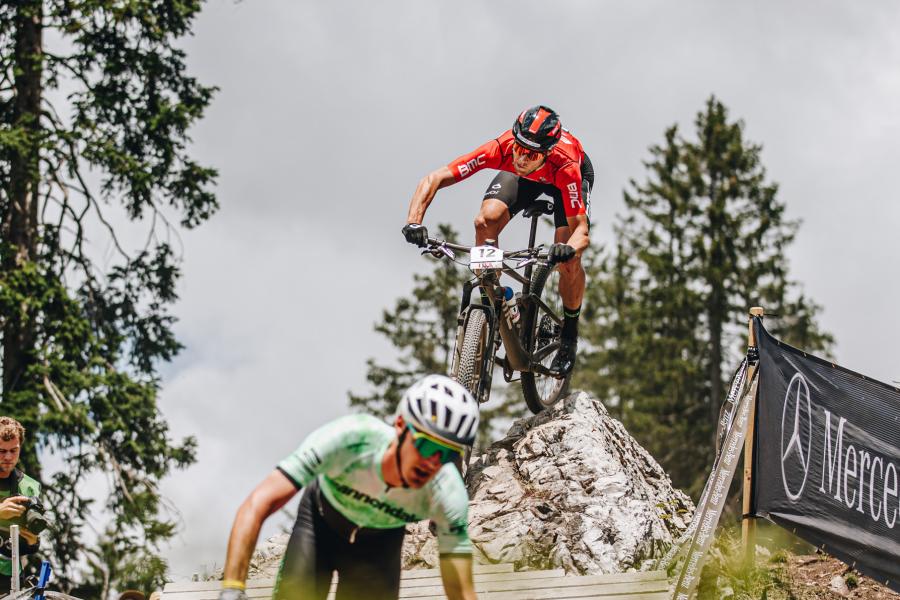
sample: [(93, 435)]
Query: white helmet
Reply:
[(443, 408)]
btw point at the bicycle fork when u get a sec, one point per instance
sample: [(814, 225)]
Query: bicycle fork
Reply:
[(486, 370)]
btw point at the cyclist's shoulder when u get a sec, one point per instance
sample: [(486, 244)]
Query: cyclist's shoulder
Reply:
[(490, 154), (568, 150), (566, 157), (361, 425), (501, 145), (505, 138), (352, 430), (569, 139), (20, 484), (498, 147), (28, 485)]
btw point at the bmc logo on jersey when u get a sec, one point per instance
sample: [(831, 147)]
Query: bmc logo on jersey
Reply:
[(469, 167), (573, 195)]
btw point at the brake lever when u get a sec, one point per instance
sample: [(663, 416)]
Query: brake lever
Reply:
[(440, 251)]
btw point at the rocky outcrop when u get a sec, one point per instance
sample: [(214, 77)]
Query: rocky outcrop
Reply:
[(568, 488)]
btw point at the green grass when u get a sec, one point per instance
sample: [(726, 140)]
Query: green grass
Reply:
[(727, 575)]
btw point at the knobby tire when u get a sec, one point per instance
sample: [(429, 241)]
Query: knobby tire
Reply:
[(471, 355)]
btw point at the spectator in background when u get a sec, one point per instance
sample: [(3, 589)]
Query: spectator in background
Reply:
[(16, 488)]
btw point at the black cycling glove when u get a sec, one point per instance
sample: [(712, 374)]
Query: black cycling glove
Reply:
[(415, 233), (560, 253)]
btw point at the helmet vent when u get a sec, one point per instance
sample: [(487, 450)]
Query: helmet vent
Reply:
[(463, 424), (419, 404), (472, 429)]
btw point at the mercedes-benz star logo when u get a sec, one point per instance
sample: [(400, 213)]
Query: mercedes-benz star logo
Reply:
[(796, 435)]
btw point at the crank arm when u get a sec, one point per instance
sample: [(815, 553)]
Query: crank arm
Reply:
[(540, 370)]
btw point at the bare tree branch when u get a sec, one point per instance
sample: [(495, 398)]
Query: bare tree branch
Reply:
[(58, 399)]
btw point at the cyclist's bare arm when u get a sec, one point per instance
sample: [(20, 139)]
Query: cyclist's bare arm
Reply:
[(270, 495), (425, 192), (578, 233), (456, 573)]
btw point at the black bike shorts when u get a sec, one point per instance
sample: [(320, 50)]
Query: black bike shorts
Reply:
[(518, 193), (369, 567)]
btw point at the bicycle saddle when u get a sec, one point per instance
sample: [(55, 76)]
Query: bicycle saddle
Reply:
[(538, 207)]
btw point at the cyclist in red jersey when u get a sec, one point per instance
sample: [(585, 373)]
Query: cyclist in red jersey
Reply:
[(535, 157)]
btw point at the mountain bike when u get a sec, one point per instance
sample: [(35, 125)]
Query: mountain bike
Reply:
[(527, 324)]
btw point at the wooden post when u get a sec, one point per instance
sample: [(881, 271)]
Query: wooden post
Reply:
[(748, 524), (16, 564)]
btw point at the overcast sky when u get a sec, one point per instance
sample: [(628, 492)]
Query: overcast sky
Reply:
[(331, 111)]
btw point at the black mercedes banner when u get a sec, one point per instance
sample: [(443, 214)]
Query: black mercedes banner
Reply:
[(827, 461)]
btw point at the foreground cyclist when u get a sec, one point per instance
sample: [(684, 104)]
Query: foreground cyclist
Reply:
[(537, 156), (363, 481)]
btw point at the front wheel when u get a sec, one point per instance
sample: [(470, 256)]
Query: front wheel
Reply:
[(470, 372), (540, 338)]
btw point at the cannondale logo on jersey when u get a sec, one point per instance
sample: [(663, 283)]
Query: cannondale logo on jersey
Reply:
[(796, 437)]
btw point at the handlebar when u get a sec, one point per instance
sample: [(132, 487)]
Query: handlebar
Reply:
[(538, 252)]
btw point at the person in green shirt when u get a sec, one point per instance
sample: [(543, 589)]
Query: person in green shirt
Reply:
[(15, 489), (363, 480)]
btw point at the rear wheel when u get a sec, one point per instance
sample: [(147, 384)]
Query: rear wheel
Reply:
[(540, 338), (471, 356)]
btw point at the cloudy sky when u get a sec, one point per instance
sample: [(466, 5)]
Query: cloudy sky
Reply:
[(330, 112)]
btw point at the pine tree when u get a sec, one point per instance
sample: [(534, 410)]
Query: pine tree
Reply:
[(82, 336), (116, 566), (702, 240)]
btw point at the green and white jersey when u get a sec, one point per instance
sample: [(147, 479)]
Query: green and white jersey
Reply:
[(26, 486), (346, 456)]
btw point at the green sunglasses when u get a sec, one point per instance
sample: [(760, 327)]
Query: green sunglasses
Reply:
[(428, 446)]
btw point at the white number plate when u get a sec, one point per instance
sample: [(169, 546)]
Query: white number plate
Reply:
[(485, 257)]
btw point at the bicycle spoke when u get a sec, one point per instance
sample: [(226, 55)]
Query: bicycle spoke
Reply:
[(542, 337)]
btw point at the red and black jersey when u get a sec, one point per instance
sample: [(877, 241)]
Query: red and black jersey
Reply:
[(562, 167)]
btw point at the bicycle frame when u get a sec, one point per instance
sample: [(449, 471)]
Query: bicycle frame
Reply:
[(517, 358)]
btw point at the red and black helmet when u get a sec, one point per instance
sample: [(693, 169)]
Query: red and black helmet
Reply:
[(537, 128)]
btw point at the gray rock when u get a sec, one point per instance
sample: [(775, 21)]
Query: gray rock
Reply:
[(839, 586), (266, 561)]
